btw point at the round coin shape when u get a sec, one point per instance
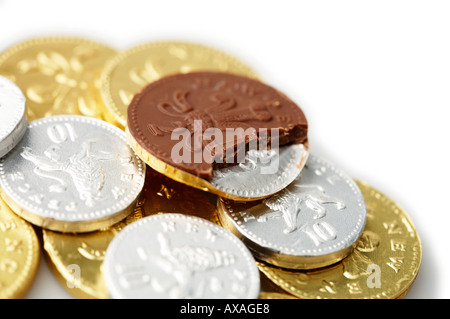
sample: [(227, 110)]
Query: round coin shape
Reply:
[(13, 119), (136, 67), (179, 256), (76, 258), (72, 173), (383, 265), (224, 133), (64, 250), (58, 75), (19, 254), (314, 222)]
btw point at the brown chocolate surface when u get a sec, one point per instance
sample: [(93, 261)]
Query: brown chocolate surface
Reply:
[(220, 101)]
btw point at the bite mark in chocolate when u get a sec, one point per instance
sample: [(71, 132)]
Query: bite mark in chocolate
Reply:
[(216, 101)]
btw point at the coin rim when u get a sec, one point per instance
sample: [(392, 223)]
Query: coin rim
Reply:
[(193, 180), (23, 283), (54, 261), (19, 116), (14, 138), (105, 78), (114, 292), (417, 258), (58, 221), (284, 260), (15, 48), (303, 258)]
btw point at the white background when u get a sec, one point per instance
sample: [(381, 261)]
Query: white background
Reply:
[(373, 78)]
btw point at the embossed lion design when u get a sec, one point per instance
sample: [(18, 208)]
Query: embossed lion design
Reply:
[(84, 168)]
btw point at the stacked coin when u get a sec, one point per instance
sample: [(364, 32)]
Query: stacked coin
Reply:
[(179, 256), (72, 173), (314, 222), (13, 122), (58, 75), (19, 254), (142, 169), (384, 263), (88, 250)]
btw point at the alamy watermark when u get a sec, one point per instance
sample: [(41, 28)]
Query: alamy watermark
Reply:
[(228, 146), (374, 279), (75, 276)]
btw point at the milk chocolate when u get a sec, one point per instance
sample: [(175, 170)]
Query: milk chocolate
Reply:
[(195, 102)]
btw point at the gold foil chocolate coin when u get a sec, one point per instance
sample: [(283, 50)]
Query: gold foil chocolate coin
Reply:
[(136, 67), (76, 259), (19, 254), (384, 263), (58, 75)]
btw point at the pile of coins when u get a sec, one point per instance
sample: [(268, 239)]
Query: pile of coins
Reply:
[(87, 174)]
